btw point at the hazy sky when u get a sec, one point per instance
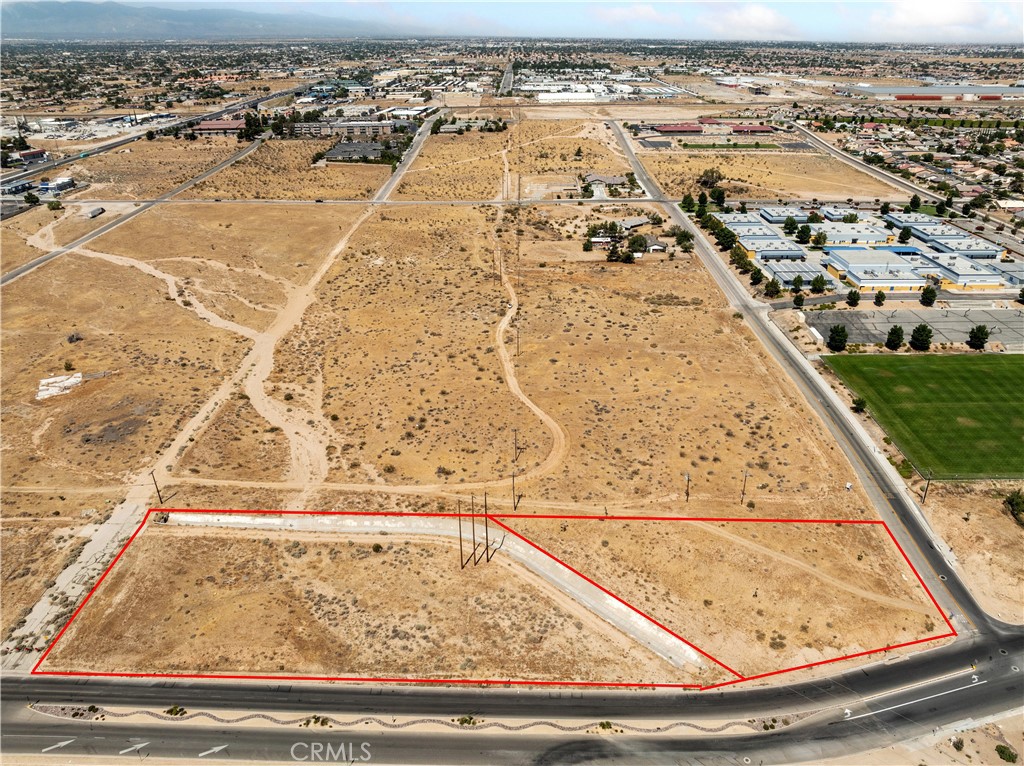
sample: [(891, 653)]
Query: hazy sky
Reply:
[(923, 21)]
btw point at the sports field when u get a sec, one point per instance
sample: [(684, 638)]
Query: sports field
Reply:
[(953, 415)]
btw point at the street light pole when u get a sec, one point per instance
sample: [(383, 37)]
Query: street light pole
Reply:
[(687, 487)]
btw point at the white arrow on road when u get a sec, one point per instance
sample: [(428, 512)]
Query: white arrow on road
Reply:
[(213, 750), (65, 743), (134, 747)]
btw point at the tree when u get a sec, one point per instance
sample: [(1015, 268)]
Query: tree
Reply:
[(579, 152), (819, 239), (710, 178), (815, 217), (921, 338), (789, 226), (1020, 296), (818, 284), (977, 337), (772, 289), (798, 283), (894, 340), (915, 203), (54, 204), (880, 297), (803, 234), (798, 300), (756, 277), (726, 238), (850, 218), (702, 200), (853, 298), (928, 296), (837, 337), (885, 209), (859, 405), (688, 204), (718, 195), (31, 199), (637, 244), (904, 237), (940, 208), (588, 246), (150, 135)]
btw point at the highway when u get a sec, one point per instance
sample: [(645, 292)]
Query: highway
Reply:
[(975, 676), (35, 263), (41, 167)]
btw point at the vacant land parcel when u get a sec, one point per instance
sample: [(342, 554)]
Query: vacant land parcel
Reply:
[(344, 606), (767, 175), (951, 415), (282, 170)]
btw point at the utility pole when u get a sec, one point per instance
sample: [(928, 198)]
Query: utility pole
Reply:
[(927, 484), (743, 492), (687, 475), (152, 475), (516, 452)]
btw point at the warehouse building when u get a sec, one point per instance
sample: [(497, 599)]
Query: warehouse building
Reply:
[(17, 187)]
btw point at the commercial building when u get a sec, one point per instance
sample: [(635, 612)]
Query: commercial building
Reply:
[(354, 128), (56, 186), (679, 129), (854, 233), (838, 213), (952, 271), (780, 214), (730, 218), (759, 230), (787, 271), (349, 151), (967, 246), (218, 127), (752, 130), (872, 270), (772, 249), (17, 187)]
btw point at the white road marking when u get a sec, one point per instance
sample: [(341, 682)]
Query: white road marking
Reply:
[(904, 704), (134, 747), (65, 743), (213, 750)]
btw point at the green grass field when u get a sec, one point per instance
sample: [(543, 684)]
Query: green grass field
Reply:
[(954, 415)]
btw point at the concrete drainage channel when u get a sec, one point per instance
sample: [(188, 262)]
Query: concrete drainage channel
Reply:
[(586, 594)]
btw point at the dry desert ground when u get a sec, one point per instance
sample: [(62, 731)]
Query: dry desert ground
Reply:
[(766, 175), (40, 230), (282, 170), (359, 606), (145, 169)]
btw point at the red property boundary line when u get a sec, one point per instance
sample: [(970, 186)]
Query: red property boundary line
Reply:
[(36, 669)]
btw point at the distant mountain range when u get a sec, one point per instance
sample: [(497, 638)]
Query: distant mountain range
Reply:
[(114, 21)]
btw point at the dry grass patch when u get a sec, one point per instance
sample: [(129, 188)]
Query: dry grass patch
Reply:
[(398, 356), (454, 167), (653, 377), (281, 169), (541, 147), (754, 614), (146, 169), (239, 261), (164, 361), (340, 605), (767, 175)]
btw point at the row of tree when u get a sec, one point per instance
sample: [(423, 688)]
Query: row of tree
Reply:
[(920, 338)]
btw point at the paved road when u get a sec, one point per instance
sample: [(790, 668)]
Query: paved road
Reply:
[(871, 170), (36, 169), (410, 156), (507, 79), (13, 274)]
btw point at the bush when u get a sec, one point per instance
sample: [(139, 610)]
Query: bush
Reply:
[(377, 548), (852, 298), (928, 296), (54, 204), (859, 405), (1014, 504), (1008, 754), (837, 337), (977, 337), (798, 300), (773, 288), (879, 297)]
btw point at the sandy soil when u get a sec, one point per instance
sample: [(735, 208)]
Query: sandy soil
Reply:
[(162, 359), (413, 396), (145, 169), (282, 170), (753, 614), (306, 604), (40, 230), (457, 167), (240, 261), (767, 175), (985, 539)]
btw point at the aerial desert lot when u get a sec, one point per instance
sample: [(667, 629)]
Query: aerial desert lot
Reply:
[(767, 175)]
